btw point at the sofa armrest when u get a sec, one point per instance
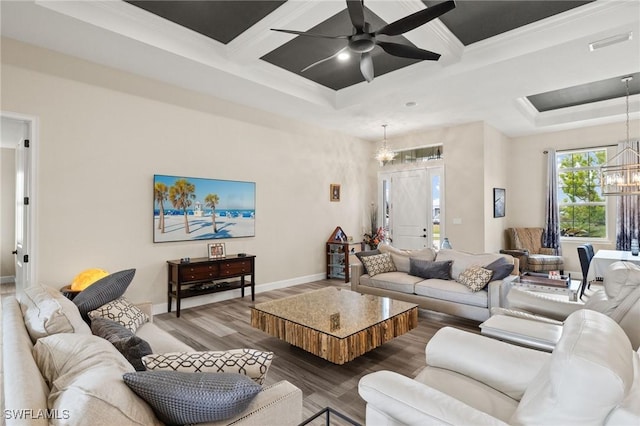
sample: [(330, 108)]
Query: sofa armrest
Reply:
[(542, 304), (502, 366), (355, 271), (411, 402), (279, 403)]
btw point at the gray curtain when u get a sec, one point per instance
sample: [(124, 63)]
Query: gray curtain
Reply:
[(628, 212), (551, 234)]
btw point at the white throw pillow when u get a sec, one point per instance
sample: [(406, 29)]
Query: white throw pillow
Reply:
[(252, 363), (475, 278), (378, 264), (121, 311)]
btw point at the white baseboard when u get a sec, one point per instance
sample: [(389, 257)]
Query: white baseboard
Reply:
[(161, 308), (7, 279)]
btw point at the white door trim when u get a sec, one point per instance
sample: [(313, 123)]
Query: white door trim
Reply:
[(34, 140)]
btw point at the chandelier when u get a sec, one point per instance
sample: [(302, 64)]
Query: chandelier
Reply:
[(621, 174), (384, 154)]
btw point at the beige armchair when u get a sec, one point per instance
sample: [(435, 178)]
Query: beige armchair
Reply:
[(526, 245)]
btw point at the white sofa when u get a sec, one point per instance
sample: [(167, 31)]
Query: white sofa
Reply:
[(591, 378), (27, 395), (446, 296), (535, 319)]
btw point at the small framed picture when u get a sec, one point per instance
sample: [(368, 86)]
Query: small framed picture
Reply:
[(499, 200), (216, 251), (334, 192)]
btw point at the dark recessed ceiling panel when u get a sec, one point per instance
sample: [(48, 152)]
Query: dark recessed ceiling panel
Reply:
[(596, 91), (220, 20), (301, 52), (475, 20)]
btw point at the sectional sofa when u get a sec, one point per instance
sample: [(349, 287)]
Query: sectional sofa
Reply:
[(443, 292), (57, 372)]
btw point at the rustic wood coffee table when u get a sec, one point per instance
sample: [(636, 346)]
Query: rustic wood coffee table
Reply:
[(335, 324)]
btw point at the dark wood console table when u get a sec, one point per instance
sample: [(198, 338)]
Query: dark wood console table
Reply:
[(204, 276)]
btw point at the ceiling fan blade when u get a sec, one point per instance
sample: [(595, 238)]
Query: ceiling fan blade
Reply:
[(405, 51), (302, 33), (325, 59), (366, 66), (417, 19), (356, 13)]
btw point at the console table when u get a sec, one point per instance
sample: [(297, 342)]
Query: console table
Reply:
[(204, 276)]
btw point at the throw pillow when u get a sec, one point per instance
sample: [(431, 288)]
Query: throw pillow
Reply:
[(85, 376), (132, 347), (46, 311), (430, 269), (362, 254), (249, 362), (501, 268), (123, 312), (103, 291), (379, 263), (475, 278), (185, 398)]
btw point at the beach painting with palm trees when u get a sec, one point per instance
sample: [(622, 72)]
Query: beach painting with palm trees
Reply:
[(189, 208)]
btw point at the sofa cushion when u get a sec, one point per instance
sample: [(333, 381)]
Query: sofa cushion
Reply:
[(620, 279), (362, 254), (132, 347), (430, 269), (451, 291), (378, 264), (475, 278), (46, 311), (396, 281), (185, 398), (85, 375), (121, 311), (401, 257), (462, 260), (103, 291), (582, 382), (501, 268), (252, 363)]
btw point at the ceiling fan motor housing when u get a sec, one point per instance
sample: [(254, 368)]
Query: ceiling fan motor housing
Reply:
[(362, 43)]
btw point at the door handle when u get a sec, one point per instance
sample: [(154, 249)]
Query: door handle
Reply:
[(423, 235), (14, 252)]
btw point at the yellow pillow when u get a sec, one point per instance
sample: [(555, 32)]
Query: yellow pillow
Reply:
[(87, 277)]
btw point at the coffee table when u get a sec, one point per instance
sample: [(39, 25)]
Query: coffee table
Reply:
[(335, 324)]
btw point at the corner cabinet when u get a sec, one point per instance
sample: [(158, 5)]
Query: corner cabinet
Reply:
[(338, 250), (204, 276)]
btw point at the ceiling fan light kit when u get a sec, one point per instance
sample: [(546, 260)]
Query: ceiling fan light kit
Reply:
[(362, 40)]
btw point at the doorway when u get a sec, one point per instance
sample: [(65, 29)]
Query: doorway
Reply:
[(18, 143), (412, 204)]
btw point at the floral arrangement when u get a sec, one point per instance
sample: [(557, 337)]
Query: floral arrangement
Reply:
[(374, 238)]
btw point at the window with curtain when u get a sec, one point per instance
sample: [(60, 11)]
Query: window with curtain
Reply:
[(583, 208)]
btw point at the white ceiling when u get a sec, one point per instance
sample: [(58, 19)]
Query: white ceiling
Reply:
[(486, 81)]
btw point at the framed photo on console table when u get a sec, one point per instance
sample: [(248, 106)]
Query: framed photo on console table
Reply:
[(216, 250), (498, 202)]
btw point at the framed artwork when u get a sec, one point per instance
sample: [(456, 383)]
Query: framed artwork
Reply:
[(216, 250), (192, 209), (334, 192), (498, 202)]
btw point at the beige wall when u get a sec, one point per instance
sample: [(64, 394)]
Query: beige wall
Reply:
[(104, 133), (496, 168), (7, 212)]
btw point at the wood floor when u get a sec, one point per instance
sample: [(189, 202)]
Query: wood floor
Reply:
[(226, 325)]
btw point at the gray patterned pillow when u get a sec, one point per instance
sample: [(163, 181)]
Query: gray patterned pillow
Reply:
[(184, 398), (475, 277), (121, 311), (103, 291), (249, 362), (379, 263)]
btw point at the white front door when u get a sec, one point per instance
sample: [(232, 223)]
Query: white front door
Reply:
[(410, 209)]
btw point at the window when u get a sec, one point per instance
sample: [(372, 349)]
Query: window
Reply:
[(583, 211)]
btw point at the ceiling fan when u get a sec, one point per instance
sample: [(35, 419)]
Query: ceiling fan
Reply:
[(363, 40)]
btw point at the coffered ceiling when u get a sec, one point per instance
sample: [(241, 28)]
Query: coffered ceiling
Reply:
[(522, 66)]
